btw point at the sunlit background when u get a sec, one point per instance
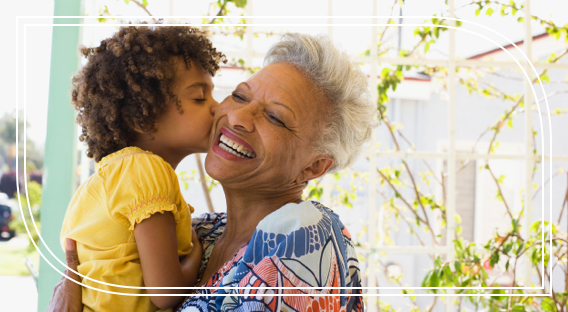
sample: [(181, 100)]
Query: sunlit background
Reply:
[(438, 199)]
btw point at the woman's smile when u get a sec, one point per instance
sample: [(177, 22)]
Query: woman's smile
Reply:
[(228, 145)]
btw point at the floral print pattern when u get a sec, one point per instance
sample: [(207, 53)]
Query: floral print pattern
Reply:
[(299, 245)]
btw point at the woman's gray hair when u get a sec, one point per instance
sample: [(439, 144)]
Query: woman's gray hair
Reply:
[(352, 114)]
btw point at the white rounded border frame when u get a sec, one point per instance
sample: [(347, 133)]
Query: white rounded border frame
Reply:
[(303, 25)]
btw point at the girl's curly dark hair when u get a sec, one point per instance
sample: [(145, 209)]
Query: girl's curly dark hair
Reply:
[(126, 82)]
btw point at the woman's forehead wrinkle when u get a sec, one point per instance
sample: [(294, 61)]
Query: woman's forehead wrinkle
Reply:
[(281, 93), (285, 84)]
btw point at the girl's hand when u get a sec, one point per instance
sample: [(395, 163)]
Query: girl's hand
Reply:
[(197, 247), (67, 295)]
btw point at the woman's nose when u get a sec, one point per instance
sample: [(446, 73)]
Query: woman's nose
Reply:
[(243, 117)]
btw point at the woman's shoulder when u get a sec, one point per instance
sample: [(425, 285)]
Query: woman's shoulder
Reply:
[(306, 229), (294, 216)]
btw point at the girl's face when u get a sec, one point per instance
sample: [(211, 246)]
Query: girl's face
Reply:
[(188, 132)]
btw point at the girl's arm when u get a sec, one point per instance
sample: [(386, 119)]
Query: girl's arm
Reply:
[(157, 245)]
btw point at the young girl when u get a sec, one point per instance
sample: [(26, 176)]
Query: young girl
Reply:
[(144, 102)]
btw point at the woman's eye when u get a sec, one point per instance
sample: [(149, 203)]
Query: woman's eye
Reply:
[(238, 97), (200, 100), (276, 120)]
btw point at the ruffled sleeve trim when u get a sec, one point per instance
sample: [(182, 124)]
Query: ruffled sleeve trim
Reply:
[(147, 208)]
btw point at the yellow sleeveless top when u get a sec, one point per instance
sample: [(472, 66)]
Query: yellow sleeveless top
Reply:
[(127, 187)]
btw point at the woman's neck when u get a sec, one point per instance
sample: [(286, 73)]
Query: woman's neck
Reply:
[(245, 209)]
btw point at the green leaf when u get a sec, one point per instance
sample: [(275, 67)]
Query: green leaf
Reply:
[(535, 256), (548, 305), (535, 226), (435, 279), (477, 12), (489, 12), (144, 2), (498, 292), (520, 19), (545, 78), (518, 308), (494, 258), (449, 274), (518, 251), (508, 248), (501, 179), (426, 280), (513, 7), (127, 1), (240, 3), (427, 47)]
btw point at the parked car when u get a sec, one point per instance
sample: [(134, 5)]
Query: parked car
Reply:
[(5, 217)]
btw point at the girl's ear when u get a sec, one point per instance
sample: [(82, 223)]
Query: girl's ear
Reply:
[(138, 129), (316, 168)]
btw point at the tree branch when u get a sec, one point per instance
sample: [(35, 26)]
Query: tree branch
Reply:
[(220, 13), (415, 187), (204, 183), (401, 198), (500, 191), (143, 8)]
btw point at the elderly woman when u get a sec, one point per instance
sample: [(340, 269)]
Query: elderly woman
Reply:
[(306, 113)]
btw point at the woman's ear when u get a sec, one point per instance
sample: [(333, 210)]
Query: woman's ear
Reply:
[(316, 169)]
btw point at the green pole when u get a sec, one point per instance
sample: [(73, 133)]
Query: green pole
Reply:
[(60, 162)]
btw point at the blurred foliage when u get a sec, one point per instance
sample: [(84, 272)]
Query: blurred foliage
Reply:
[(186, 177), (17, 224), (8, 126)]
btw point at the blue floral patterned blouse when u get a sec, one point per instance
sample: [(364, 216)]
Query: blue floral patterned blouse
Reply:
[(298, 245)]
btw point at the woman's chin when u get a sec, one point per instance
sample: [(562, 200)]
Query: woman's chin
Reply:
[(222, 169)]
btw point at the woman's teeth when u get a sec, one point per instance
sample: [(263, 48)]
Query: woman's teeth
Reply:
[(235, 148)]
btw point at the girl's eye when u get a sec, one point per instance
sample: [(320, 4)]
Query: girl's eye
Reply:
[(200, 100)]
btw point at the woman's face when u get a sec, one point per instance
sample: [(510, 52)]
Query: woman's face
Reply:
[(263, 133)]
